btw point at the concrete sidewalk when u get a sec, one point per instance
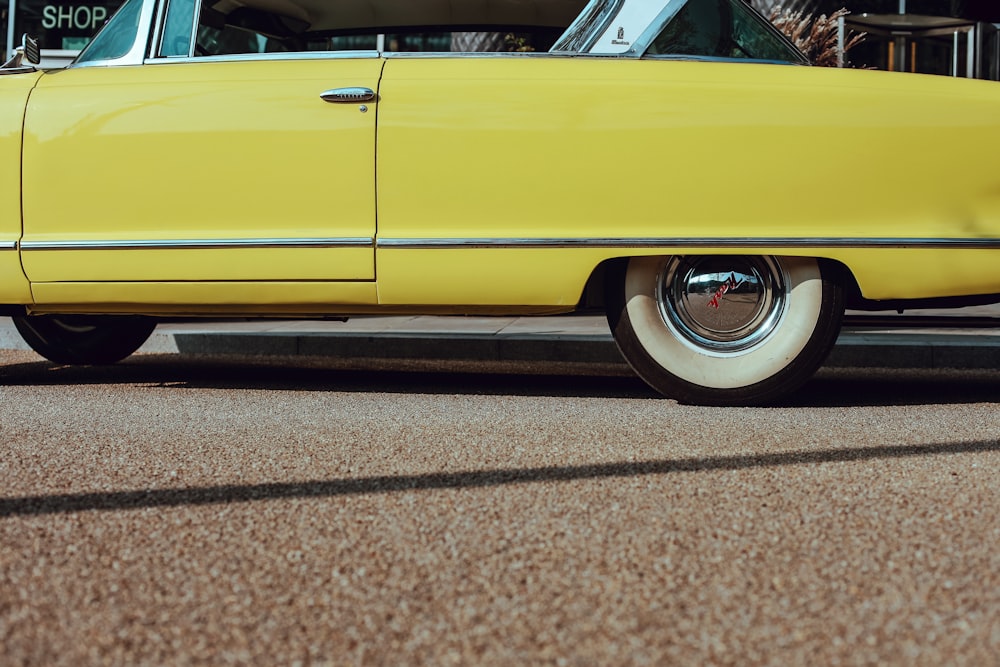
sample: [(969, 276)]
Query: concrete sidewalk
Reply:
[(567, 338)]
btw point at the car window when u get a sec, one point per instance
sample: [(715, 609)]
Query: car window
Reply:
[(177, 28), (117, 37), (227, 27), (722, 29)]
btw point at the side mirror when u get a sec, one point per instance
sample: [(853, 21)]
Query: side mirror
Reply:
[(27, 51), (31, 51)]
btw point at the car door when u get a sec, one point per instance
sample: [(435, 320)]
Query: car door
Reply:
[(196, 171)]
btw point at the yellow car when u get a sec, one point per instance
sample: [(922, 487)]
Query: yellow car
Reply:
[(309, 158)]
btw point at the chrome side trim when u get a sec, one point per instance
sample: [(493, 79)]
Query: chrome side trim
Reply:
[(200, 244), (667, 242), (513, 243), (8, 245)]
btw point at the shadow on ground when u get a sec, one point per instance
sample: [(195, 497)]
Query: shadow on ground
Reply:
[(830, 388), (243, 493)]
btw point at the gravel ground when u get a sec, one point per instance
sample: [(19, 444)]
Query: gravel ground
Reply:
[(189, 511)]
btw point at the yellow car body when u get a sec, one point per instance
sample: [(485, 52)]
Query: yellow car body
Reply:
[(497, 182), (167, 182), (647, 157)]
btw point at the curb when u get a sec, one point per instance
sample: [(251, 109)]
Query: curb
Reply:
[(853, 349), (543, 341), (440, 346), (916, 350)]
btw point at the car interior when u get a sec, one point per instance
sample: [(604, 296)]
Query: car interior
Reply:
[(273, 26)]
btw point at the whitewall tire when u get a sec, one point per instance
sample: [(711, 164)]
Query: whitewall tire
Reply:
[(724, 330)]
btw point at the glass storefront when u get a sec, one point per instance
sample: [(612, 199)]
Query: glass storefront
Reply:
[(946, 37), (62, 28), (915, 43)]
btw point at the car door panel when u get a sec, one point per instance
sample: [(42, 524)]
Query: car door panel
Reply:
[(224, 171), (14, 91)]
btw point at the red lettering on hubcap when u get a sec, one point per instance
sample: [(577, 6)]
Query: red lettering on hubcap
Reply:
[(730, 284)]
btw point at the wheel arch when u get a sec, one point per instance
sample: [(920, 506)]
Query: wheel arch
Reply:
[(594, 295)]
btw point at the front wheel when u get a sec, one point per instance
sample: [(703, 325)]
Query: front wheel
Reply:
[(724, 330), (89, 340)]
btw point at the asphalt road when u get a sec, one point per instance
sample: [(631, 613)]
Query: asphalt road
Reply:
[(174, 510)]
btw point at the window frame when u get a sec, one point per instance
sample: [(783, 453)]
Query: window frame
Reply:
[(159, 36), (674, 7), (581, 37), (136, 54)]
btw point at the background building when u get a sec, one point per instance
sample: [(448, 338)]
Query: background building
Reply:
[(949, 37), (62, 27)]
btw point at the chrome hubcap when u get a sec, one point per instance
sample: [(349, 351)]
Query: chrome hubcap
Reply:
[(725, 304)]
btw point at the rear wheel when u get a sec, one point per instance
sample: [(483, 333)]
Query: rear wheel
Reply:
[(724, 330), (85, 339)]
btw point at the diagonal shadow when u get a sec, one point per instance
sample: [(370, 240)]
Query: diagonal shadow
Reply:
[(127, 500)]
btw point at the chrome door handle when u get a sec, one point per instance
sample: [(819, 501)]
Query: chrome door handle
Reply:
[(349, 95)]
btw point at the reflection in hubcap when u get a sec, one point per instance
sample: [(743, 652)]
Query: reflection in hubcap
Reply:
[(727, 304)]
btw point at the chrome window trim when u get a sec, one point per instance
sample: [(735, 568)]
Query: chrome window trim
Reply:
[(260, 57), (340, 55), (195, 20), (640, 45), (417, 55), (153, 57), (668, 242), (158, 25), (156, 42), (592, 22), (348, 55), (671, 8), (201, 244), (719, 59), (606, 10), (136, 55)]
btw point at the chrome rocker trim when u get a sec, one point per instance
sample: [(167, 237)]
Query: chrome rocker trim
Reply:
[(199, 244), (505, 243), (728, 243)]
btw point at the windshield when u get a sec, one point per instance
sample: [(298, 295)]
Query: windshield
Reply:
[(117, 36)]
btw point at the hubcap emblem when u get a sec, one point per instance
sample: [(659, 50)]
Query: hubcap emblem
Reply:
[(730, 284), (721, 303)]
